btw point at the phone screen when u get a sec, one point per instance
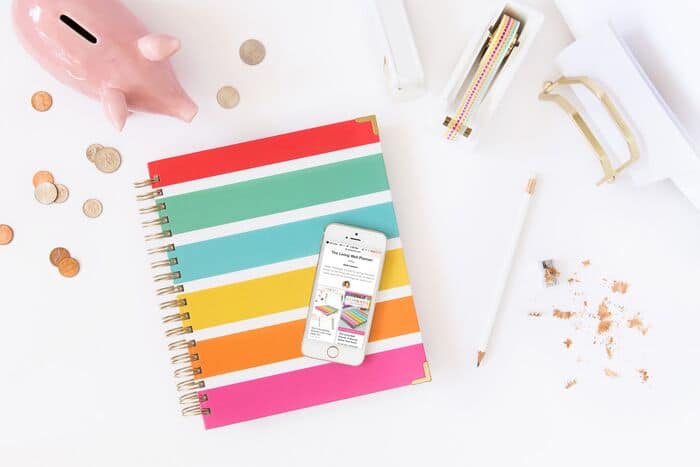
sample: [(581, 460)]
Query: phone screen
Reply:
[(346, 281)]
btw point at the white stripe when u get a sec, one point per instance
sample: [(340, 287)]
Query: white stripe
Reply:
[(282, 218), (284, 317), (305, 362), (266, 270), (273, 169)]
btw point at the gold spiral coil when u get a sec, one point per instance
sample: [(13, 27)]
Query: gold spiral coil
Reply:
[(173, 289), (152, 209), (181, 331), (164, 263), (177, 317), (150, 195), (184, 358), (147, 183), (179, 303), (195, 410), (161, 249), (190, 385), (159, 235), (182, 344), (167, 276), (193, 398), (187, 371), (156, 222)]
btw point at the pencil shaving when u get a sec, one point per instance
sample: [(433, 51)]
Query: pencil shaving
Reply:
[(568, 343), (619, 287), (570, 384), (636, 323), (610, 373), (557, 313)]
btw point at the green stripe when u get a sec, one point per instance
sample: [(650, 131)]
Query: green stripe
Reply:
[(274, 194)]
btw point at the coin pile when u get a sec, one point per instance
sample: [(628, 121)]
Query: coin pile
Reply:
[(47, 191), (6, 234), (42, 101), (107, 160), (61, 259)]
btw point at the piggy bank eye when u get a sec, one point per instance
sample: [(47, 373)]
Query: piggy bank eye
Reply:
[(81, 31)]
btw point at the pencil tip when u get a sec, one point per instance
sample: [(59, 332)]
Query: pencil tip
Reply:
[(479, 357)]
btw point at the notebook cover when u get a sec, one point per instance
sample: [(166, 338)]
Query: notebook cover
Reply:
[(245, 223)]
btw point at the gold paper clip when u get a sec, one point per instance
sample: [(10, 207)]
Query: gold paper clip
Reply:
[(609, 172)]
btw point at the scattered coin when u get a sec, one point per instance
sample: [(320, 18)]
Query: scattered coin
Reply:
[(92, 208), (63, 193), (42, 176), (228, 97), (46, 193), (69, 267), (108, 160), (42, 101), (6, 234), (57, 255), (91, 151), (252, 52)]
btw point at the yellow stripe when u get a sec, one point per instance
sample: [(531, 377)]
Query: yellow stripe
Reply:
[(271, 294)]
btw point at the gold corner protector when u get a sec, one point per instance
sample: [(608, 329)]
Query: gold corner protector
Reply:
[(425, 379), (373, 120)]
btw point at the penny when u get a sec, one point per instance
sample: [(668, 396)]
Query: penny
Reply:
[(57, 255), (228, 97), (69, 267), (42, 101), (252, 52), (108, 160), (6, 234), (63, 193), (92, 208), (91, 151), (41, 177), (46, 193)]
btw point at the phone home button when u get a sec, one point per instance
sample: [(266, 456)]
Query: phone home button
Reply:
[(332, 351)]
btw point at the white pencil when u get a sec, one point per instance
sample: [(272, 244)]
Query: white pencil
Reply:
[(507, 266)]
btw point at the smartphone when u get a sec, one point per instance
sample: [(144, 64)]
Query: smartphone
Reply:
[(345, 290)]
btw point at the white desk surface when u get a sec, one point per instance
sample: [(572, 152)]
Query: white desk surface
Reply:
[(86, 379)]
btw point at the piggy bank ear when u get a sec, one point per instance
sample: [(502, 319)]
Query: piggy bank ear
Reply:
[(158, 47)]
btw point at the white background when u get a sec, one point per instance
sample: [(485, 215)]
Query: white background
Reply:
[(85, 374)]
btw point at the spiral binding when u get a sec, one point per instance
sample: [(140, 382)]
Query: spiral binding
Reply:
[(190, 385)]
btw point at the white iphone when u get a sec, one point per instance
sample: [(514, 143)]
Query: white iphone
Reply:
[(345, 290)]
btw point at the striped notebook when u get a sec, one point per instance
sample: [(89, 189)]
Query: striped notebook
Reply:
[(239, 230)]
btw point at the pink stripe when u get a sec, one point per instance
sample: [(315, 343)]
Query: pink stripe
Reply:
[(351, 331), (312, 386), (484, 72)]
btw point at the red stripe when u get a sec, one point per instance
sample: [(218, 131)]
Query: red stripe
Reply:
[(261, 152)]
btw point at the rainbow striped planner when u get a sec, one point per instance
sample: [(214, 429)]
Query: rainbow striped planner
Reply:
[(238, 230)]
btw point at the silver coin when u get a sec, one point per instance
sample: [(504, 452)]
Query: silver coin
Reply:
[(63, 193), (108, 160), (46, 193), (252, 52), (91, 151), (228, 97), (92, 208)]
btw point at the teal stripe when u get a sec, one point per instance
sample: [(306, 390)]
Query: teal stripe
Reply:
[(273, 244), (274, 194)]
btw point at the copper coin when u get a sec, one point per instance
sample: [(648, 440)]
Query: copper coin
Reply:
[(92, 208), (6, 234), (91, 151), (252, 52), (63, 193), (46, 193), (57, 255), (42, 176), (69, 267), (228, 97), (108, 160), (42, 101)]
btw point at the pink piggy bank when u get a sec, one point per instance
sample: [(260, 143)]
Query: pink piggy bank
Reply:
[(101, 49)]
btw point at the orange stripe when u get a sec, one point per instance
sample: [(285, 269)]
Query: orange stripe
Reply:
[(282, 342)]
